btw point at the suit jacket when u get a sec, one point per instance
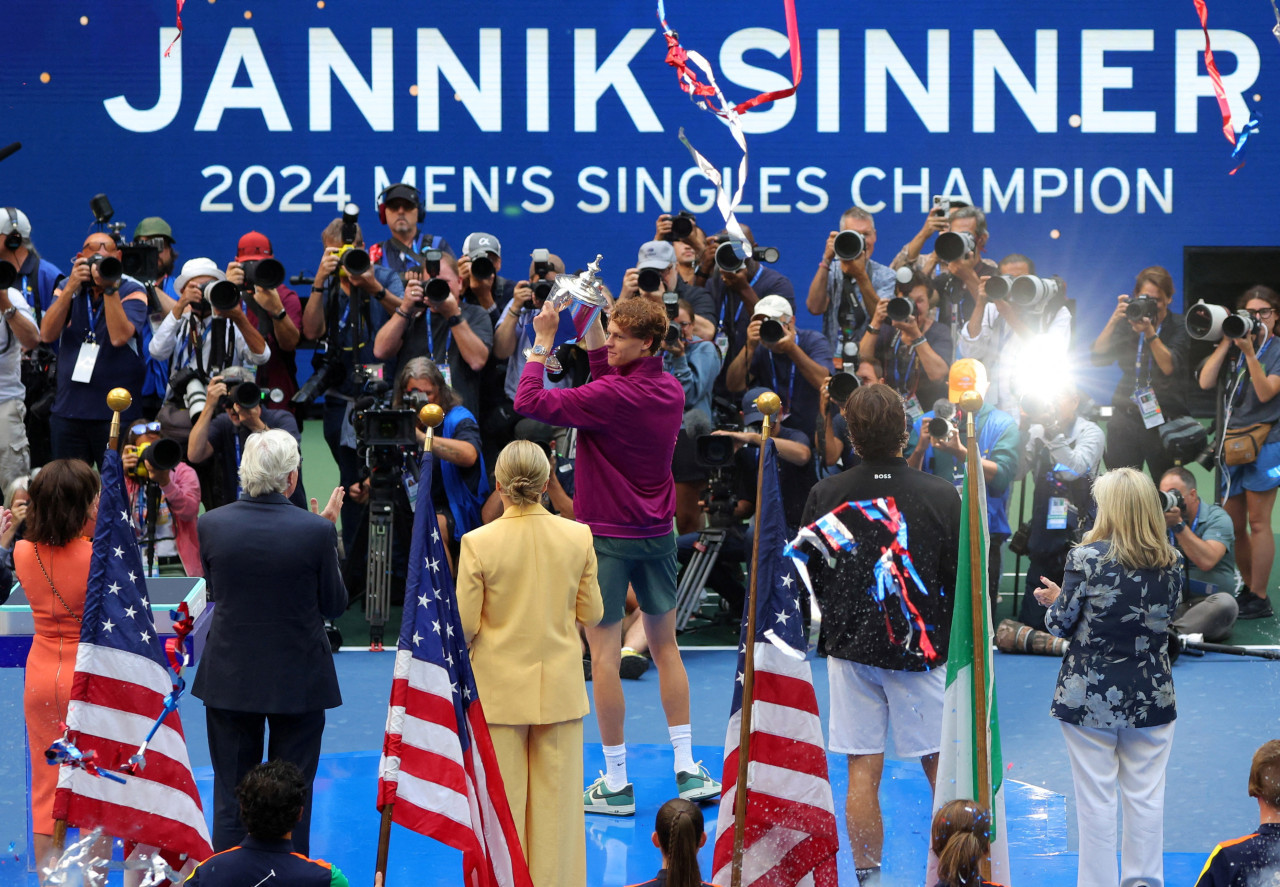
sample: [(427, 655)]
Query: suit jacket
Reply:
[(524, 581), (273, 573)]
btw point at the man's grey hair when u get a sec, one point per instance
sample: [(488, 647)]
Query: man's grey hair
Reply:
[(973, 212), (268, 458), (857, 212)]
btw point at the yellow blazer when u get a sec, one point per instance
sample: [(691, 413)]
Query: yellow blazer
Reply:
[(524, 582)]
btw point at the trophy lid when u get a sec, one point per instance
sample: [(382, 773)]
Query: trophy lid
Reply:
[(585, 287)]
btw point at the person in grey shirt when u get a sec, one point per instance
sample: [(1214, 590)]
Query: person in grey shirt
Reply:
[(1203, 532)]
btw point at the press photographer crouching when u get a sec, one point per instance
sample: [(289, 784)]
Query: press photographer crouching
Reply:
[(1250, 447), (164, 500), (1202, 531), (222, 429)]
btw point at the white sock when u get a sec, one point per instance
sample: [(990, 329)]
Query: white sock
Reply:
[(682, 742), (615, 767)]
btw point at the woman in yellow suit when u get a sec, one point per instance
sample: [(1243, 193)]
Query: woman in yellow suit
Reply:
[(524, 582)]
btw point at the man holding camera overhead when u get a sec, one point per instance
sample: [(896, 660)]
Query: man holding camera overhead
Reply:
[(1150, 344), (96, 319), (434, 322), (848, 285)]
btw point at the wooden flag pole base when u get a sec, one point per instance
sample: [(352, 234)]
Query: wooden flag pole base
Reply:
[(384, 841)]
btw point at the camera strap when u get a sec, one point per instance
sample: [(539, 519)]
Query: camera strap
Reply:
[(91, 334), (407, 253), (791, 384)]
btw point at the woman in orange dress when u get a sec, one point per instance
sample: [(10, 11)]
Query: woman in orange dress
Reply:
[(52, 563)]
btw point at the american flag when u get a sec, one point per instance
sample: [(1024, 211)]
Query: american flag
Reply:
[(438, 767), (119, 690), (790, 836)]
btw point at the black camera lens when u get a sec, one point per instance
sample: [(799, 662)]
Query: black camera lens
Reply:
[(730, 256), (673, 334), (713, 450), (849, 245), (951, 246), (681, 226), (110, 269), (8, 275), (649, 280), (222, 294), (266, 273), (541, 290), (1239, 325), (437, 289), (900, 310), (356, 261), (248, 394), (164, 454), (482, 268), (772, 332), (841, 386), (939, 429)]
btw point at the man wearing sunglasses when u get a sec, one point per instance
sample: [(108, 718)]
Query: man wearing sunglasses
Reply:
[(97, 322)]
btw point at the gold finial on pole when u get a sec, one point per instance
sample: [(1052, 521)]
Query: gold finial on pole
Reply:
[(119, 399), (431, 415)]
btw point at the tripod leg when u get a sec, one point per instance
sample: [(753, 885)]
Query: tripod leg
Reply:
[(378, 576)]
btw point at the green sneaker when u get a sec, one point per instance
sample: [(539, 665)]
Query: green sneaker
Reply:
[(697, 786), (598, 799)]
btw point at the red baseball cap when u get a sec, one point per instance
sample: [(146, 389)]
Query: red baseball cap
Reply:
[(253, 245)]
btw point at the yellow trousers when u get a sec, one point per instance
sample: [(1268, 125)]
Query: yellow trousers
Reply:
[(541, 768)]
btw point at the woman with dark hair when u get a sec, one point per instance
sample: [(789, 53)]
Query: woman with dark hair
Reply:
[(1151, 351), (52, 563), (1115, 697), (1253, 414), (678, 833), (961, 839)]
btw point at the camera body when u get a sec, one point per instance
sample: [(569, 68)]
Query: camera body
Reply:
[(1141, 308), (541, 283), (190, 389), (715, 452)]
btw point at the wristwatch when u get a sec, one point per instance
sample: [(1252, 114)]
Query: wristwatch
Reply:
[(455, 320), (1178, 527), (281, 316), (540, 350), (9, 312)]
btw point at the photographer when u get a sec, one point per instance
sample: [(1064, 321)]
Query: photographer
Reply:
[(1150, 344), (457, 336), (201, 341), (1005, 336), (1064, 454), (223, 428), (1203, 533), (154, 232), (795, 461), (38, 278), (960, 281), (19, 334), (1251, 468), (846, 292), (795, 365), (349, 309), (164, 504), (277, 313), (97, 322), (514, 335), (915, 351), (478, 270), (835, 447), (695, 363), (400, 209), (658, 259)]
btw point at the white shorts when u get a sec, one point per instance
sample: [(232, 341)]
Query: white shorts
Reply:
[(866, 699)]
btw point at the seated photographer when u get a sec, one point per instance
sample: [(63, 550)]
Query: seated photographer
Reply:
[(794, 363), (277, 313), (478, 272), (348, 359), (1202, 531), (1249, 448), (846, 292), (942, 450), (1005, 334), (97, 321), (164, 500), (655, 277), (236, 411), (835, 448), (457, 336), (200, 340), (1064, 455), (1150, 344), (695, 363), (913, 348)]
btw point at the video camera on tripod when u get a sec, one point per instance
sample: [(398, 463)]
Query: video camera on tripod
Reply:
[(139, 260)]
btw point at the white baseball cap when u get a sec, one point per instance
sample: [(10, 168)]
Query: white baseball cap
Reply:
[(773, 306), (193, 268)]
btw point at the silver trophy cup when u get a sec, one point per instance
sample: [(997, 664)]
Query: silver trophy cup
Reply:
[(579, 299)]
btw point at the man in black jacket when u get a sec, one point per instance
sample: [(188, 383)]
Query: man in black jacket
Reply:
[(892, 534), (267, 661)]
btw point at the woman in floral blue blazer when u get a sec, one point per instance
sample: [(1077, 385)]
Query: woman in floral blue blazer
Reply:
[(1115, 696)]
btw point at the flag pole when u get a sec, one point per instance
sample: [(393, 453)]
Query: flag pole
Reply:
[(769, 404), (971, 403), (119, 400), (430, 416)]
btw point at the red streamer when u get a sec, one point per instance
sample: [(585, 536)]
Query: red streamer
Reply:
[(181, 3), (1227, 129), (174, 647)]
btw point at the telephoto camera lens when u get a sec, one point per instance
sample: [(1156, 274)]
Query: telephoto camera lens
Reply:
[(110, 269), (436, 289), (356, 261), (248, 394), (1171, 499), (164, 454), (266, 273), (951, 246), (940, 429), (1204, 321), (900, 309), (998, 288), (649, 280), (840, 387), (8, 275), (772, 332), (482, 267), (222, 294), (849, 245), (731, 256), (541, 290), (1031, 293), (681, 226), (1143, 306), (1239, 325)]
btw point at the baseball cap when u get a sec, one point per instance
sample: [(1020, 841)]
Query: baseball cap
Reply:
[(657, 254), (967, 374), (18, 220), (750, 412), (193, 268), (153, 226), (253, 245), (478, 242), (773, 306), (400, 191)]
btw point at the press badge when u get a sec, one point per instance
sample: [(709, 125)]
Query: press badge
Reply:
[(1145, 398), (85, 362), (411, 490), (1057, 514), (447, 372), (911, 405)]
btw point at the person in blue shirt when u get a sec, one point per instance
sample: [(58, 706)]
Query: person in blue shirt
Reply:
[(1255, 858), (97, 323), (695, 363)]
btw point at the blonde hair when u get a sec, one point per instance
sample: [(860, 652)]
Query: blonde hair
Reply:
[(1129, 518), (523, 470)]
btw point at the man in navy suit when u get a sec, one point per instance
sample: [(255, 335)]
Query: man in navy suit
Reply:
[(273, 575)]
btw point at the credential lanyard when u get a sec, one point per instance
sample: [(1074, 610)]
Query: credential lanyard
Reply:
[(91, 335), (906, 376), (1137, 359), (791, 382), (724, 306), (1242, 369), (236, 437), (431, 342)]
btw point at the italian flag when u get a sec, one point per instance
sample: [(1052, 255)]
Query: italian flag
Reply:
[(971, 679)]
